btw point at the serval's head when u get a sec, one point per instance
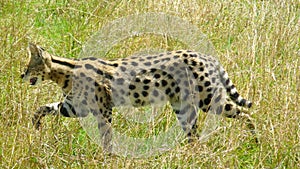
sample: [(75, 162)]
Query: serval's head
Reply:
[(38, 66)]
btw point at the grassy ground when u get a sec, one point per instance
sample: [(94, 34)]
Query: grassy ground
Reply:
[(258, 42)]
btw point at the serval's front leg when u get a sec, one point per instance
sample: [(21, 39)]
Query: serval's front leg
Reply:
[(67, 108), (104, 120), (43, 111)]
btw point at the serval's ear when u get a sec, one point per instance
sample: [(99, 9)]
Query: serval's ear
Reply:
[(35, 50)]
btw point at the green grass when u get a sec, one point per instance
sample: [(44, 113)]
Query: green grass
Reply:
[(256, 41)]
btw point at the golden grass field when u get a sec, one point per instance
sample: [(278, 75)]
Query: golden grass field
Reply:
[(258, 43)]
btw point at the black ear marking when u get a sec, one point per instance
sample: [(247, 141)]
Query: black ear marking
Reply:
[(41, 48), (40, 51)]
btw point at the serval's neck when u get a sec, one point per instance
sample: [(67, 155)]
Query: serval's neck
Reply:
[(61, 71)]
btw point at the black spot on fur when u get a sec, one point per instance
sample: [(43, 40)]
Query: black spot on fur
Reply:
[(82, 74), (84, 102), (217, 99), (137, 101), (152, 70), (168, 90), (144, 93), (208, 99), (219, 110), (133, 73), (123, 69), (146, 81), (137, 80), (108, 76), (115, 65), (89, 79), (175, 64), (147, 63), (193, 55), (185, 61), (157, 76), (200, 104), (171, 68), (89, 66), (195, 75), (120, 81), (227, 82), (164, 83), (234, 95), (155, 93), (242, 102), (134, 63), (228, 107), (99, 72), (132, 87), (166, 59), (207, 83), (213, 80), (146, 87), (194, 63), (175, 56), (199, 88)]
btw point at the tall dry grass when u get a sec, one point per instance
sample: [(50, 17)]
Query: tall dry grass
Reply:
[(256, 41)]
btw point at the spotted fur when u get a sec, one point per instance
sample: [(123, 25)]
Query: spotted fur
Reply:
[(189, 81)]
